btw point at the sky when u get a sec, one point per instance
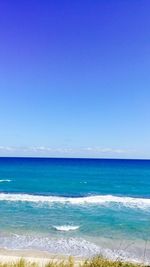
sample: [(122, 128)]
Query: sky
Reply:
[(75, 78)]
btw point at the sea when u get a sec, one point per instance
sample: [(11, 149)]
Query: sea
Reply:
[(78, 207)]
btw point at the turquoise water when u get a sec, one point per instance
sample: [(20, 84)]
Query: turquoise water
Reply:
[(80, 207)]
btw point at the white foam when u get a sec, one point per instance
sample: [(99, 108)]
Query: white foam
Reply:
[(71, 246), (66, 228), (131, 202), (5, 180)]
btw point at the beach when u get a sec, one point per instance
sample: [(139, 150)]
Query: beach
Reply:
[(74, 133), (39, 257)]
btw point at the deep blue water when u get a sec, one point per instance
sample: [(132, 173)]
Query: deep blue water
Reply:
[(74, 206)]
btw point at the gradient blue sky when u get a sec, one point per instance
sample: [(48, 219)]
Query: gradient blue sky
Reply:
[(75, 78)]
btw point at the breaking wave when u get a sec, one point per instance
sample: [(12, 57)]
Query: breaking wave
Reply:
[(130, 202), (66, 228), (5, 180)]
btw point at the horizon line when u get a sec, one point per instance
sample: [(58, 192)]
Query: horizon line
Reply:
[(93, 158)]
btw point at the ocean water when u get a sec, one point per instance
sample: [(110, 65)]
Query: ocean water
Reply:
[(80, 207)]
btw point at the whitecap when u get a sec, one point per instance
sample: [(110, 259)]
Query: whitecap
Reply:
[(130, 202), (65, 228), (5, 180)]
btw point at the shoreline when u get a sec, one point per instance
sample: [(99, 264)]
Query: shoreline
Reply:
[(42, 258)]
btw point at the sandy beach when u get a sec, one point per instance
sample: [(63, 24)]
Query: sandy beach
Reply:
[(33, 256)]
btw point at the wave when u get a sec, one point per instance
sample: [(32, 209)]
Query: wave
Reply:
[(5, 180), (66, 228), (72, 246), (130, 202)]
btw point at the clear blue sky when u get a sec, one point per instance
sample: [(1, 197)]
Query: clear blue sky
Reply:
[(75, 78)]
